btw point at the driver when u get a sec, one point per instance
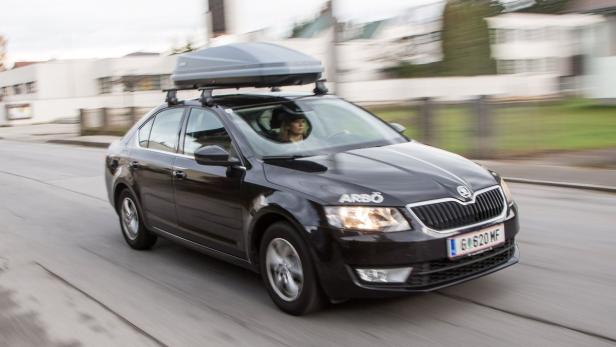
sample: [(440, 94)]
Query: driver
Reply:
[(292, 128)]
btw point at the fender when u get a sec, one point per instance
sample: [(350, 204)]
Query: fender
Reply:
[(123, 176)]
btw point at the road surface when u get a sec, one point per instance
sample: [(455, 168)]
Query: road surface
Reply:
[(68, 279)]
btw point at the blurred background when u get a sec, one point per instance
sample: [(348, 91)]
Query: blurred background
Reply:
[(490, 79), (526, 85)]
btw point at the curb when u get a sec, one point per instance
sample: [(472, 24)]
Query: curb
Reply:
[(80, 143), (606, 189)]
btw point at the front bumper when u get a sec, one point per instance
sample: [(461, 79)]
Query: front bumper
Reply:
[(426, 253)]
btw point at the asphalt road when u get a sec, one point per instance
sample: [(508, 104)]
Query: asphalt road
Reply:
[(68, 279)]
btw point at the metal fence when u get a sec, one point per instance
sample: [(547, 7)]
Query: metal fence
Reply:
[(479, 128), (490, 128), (109, 121)]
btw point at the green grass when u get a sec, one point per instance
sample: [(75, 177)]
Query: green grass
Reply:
[(566, 125)]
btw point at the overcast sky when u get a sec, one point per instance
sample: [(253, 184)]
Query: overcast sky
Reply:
[(64, 29)]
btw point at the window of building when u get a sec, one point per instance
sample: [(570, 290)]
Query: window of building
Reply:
[(155, 82), (104, 85), (147, 82), (31, 87), (550, 33), (552, 65), (493, 36), (535, 65), (17, 89), (165, 82), (510, 35), (144, 83), (507, 66), (499, 35)]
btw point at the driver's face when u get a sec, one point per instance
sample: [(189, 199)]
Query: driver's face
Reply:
[(297, 126)]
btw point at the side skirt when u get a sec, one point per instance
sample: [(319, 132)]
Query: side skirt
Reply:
[(207, 250)]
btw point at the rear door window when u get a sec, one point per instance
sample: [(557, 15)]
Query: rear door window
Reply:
[(144, 133), (166, 130)]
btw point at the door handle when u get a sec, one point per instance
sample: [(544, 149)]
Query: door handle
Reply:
[(134, 164), (179, 174)]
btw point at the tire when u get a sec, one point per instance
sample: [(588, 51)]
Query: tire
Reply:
[(131, 223), (280, 246)]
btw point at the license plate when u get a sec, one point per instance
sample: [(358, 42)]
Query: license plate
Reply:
[(475, 242)]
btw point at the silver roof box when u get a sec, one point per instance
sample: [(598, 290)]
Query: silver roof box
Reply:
[(245, 65)]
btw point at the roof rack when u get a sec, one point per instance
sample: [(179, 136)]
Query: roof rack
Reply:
[(207, 99), (320, 88), (172, 98)]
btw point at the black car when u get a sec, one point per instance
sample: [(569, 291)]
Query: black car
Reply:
[(351, 209), (324, 199)]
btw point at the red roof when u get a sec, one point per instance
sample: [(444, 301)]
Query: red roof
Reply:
[(24, 63)]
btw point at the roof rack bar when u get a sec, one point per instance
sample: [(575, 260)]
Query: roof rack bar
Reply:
[(190, 87), (171, 98), (206, 98), (320, 88)]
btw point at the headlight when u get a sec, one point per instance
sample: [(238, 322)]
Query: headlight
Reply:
[(380, 219), (506, 190)]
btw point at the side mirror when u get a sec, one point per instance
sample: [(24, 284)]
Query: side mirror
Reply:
[(213, 155), (398, 127)]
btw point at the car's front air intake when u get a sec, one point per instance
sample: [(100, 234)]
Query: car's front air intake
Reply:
[(451, 214)]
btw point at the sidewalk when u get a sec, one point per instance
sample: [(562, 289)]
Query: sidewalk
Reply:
[(555, 175), (55, 133), (592, 169)]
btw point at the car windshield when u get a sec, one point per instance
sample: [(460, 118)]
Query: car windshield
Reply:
[(310, 126)]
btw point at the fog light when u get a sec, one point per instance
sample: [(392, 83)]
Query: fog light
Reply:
[(397, 275)]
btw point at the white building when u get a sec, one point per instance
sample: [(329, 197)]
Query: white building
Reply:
[(51, 90), (540, 43), (600, 43), (533, 52)]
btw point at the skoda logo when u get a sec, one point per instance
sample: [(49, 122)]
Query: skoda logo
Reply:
[(464, 192)]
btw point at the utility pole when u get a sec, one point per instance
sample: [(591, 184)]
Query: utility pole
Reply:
[(2, 53), (332, 75), (207, 17)]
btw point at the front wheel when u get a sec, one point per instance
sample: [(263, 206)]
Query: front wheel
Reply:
[(288, 272), (131, 222)]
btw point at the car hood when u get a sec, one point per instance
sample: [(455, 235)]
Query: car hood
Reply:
[(393, 175)]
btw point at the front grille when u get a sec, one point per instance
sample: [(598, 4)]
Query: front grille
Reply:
[(444, 270), (452, 214)]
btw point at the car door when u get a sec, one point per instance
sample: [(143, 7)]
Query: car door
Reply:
[(209, 197), (152, 162)]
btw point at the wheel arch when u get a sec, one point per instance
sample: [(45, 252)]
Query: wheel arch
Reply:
[(119, 186), (263, 220)]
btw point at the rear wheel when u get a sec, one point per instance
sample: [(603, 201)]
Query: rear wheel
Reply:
[(131, 222), (288, 272)]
